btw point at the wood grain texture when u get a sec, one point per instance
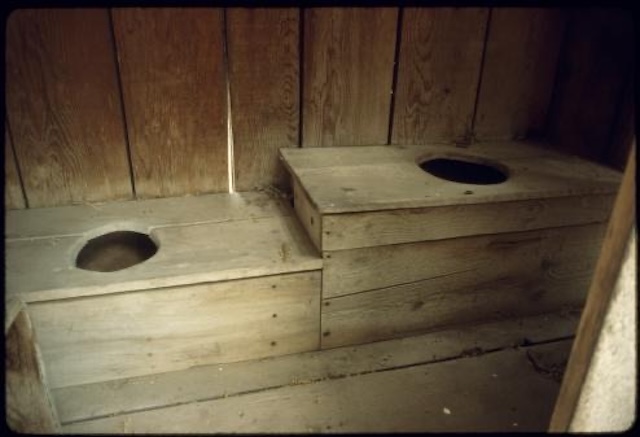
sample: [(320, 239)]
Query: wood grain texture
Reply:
[(264, 78), (29, 409), (541, 278), (81, 220), (174, 90), (307, 214), (563, 252), (375, 178), (133, 334), (348, 73), (63, 106), (191, 254), (88, 401), (13, 194), (378, 228), (601, 290), (519, 71), (596, 61), (494, 392), (438, 71)]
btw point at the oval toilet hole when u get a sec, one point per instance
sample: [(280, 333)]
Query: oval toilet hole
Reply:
[(466, 172), (115, 251)]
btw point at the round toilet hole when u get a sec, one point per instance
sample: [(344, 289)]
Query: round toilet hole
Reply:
[(466, 172), (115, 251)]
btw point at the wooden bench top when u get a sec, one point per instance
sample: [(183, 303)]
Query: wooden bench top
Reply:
[(206, 238), (371, 178)]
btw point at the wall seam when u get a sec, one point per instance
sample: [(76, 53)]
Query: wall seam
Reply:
[(123, 111), (17, 163), (394, 79), (470, 136), (227, 73)]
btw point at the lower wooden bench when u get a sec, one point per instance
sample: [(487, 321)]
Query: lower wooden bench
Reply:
[(233, 277)]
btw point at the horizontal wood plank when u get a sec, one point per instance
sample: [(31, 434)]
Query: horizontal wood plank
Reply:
[(88, 401), (132, 334), (350, 231), (81, 219), (356, 179), (542, 282), (187, 255), (495, 392), (571, 251)]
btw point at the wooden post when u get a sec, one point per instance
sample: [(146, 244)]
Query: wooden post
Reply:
[(600, 293)]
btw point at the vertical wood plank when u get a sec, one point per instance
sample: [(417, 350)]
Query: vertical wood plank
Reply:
[(596, 61), (439, 66), (264, 78), (519, 71), (64, 108), (348, 75), (13, 195), (29, 408), (174, 90)]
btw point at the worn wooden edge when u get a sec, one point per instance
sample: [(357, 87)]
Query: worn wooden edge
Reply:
[(76, 220), (134, 334), (407, 156), (377, 228), (308, 214), (90, 401), (13, 306), (600, 293)]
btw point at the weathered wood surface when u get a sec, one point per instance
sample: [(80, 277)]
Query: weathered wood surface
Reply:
[(602, 286), (264, 78), (597, 60), (519, 71), (88, 401), (81, 219), (175, 96), (356, 179), (499, 391), (307, 214), (13, 194), (378, 228), (63, 106), (532, 285), (133, 334), (561, 254), (190, 252), (347, 75), (29, 408), (439, 68)]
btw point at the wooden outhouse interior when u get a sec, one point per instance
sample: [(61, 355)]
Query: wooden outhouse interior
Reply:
[(317, 220)]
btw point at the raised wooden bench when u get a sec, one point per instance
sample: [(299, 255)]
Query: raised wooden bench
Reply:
[(234, 277), (406, 250)]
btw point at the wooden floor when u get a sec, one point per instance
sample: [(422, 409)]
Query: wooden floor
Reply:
[(501, 376)]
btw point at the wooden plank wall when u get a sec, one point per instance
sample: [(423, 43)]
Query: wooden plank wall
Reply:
[(113, 104)]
